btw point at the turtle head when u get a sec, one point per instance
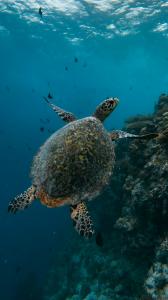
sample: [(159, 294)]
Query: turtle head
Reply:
[(105, 108)]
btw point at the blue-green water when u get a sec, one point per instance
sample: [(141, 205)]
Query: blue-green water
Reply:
[(121, 49)]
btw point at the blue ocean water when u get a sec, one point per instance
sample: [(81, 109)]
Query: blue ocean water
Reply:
[(81, 52)]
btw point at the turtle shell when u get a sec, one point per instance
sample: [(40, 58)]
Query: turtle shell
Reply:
[(75, 162)]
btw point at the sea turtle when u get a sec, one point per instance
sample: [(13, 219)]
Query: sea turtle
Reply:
[(74, 165)]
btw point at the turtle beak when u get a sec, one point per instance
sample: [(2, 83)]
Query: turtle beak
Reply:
[(114, 101)]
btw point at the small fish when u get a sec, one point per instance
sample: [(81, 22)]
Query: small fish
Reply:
[(50, 96), (66, 68), (41, 129), (75, 59), (99, 239), (40, 12)]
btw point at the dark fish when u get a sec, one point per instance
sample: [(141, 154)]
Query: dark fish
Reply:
[(50, 96), (66, 68), (75, 59), (41, 129), (99, 239), (40, 12)]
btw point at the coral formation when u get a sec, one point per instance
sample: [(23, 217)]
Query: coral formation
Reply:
[(132, 215)]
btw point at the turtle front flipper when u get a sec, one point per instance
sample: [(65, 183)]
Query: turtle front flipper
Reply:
[(65, 115), (119, 134), (23, 200), (105, 108), (82, 220)]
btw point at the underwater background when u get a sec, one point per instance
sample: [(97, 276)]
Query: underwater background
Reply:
[(82, 52)]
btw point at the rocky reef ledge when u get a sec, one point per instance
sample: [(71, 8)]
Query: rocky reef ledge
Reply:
[(132, 215)]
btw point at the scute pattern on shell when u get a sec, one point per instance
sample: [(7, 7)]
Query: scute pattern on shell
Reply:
[(76, 161)]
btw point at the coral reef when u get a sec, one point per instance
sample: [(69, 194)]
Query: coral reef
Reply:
[(156, 283), (132, 215)]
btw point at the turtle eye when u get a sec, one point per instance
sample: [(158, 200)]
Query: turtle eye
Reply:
[(113, 102), (110, 103)]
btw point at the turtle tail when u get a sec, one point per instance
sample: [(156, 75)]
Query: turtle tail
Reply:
[(23, 200), (162, 136)]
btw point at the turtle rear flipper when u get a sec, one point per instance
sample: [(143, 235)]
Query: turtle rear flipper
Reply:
[(22, 201), (65, 115), (163, 136), (119, 134), (82, 220)]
